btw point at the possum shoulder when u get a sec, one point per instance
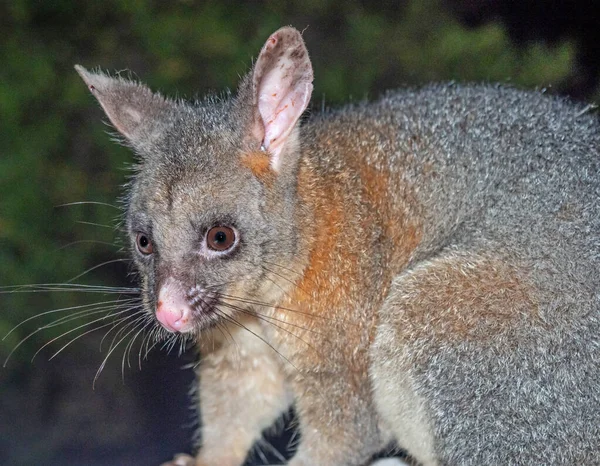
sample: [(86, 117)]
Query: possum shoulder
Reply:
[(442, 121)]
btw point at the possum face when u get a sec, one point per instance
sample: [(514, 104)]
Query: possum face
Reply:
[(212, 210), (206, 245)]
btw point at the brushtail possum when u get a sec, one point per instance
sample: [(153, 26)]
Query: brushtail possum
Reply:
[(419, 271)]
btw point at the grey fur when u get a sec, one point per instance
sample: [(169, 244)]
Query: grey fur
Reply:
[(518, 177), (503, 186)]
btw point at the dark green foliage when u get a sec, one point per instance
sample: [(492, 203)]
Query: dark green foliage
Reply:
[(55, 149)]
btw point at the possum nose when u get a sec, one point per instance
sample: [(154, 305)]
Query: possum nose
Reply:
[(172, 310), (172, 318)]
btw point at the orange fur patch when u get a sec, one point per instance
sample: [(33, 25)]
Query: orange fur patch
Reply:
[(390, 207), (358, 239), (463, 298), (259, 164)]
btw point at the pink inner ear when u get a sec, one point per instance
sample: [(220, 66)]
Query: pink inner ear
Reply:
[(284, 89), (280, 110)]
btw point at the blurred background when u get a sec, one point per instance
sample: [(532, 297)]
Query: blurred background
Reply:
[(55, 150)]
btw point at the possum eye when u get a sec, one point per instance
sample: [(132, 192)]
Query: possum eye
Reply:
[(144, 244), (220, 238)]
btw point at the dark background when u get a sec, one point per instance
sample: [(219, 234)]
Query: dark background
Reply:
[(54, 150)]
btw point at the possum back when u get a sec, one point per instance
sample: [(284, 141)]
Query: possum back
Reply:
[(491, 331)]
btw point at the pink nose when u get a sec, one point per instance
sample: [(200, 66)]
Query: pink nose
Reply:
[(172, 309)]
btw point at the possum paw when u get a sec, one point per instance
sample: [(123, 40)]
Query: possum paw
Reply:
[(181, 459)]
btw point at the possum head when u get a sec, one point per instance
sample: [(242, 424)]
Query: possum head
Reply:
[(212, 208)]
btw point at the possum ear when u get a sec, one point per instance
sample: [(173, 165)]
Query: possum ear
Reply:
[(131, 107), (281, 88)]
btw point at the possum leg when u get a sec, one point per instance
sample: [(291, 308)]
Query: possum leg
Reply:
[(468, 364), (241, 392)]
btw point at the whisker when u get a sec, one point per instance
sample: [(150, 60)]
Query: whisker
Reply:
[(292, 282), (222, 327), (282, 308), (83, 222), (154, 336), (265, 319), (285, 292), (144, 338), (235, 322), (93, 241), (23, 340), (182, 346), (109, 310), (300, 275), (67, 287), (289, 269), (141, 324), (160, 335), (268, 318), (135, 315), (79, 336), (147, 323), (145, 342), (169, 343), (69, 204), (108, 356), (91, 306), (97, 267), (74, 339), (143, 328)]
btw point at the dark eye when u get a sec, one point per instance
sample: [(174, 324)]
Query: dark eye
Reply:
[(220, 238), (144, 244)]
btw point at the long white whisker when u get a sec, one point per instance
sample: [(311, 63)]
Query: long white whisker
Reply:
[(92, 241), (70, 308), (144, 339), (170, 343), (134, 319), (145, 324), (270, 322), (108, 356), (89, 202), (267, 318), (135, 315), (83, 222), (73, 339), (153, 333), (97, 267), (109, 310), (80, 327), (141, 324), (277, 307), (292, 282), (235, 322), (66, 287), (23, 340)]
